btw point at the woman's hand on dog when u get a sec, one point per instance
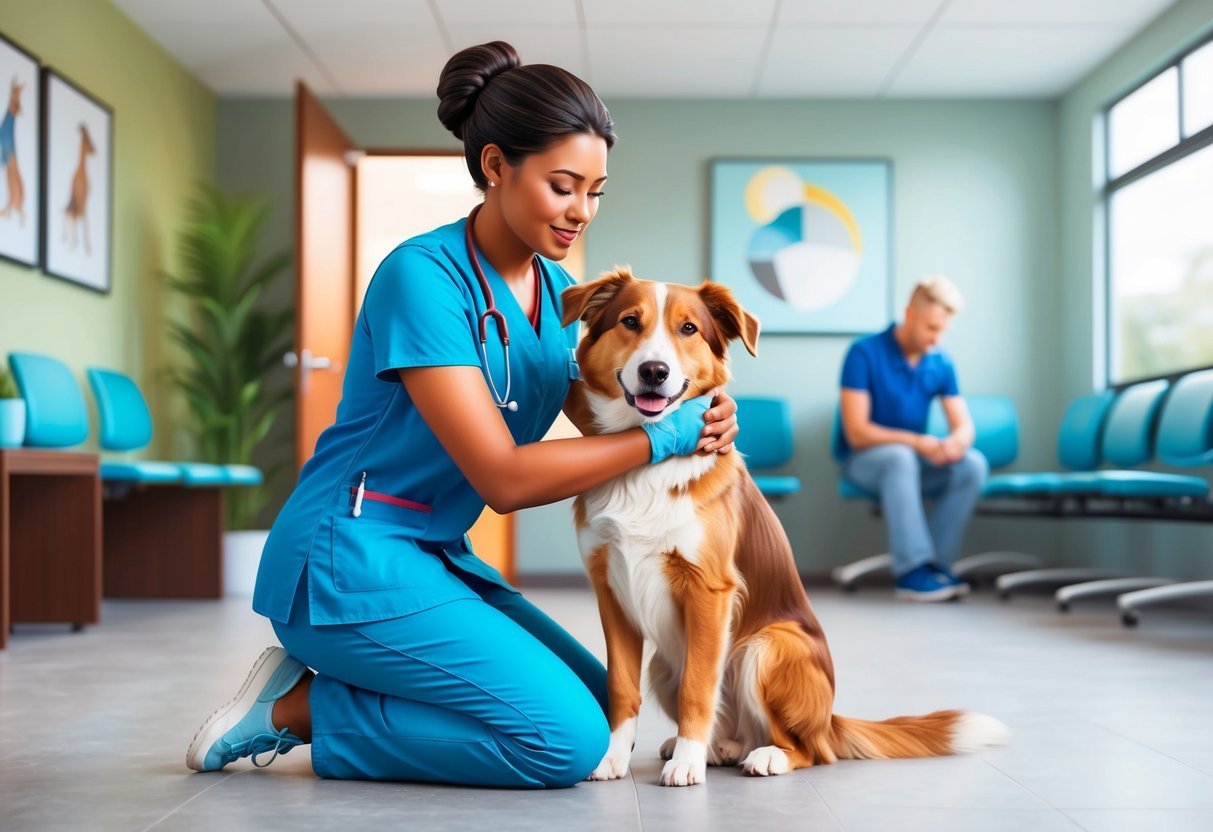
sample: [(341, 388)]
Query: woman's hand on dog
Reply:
[(721, 428)]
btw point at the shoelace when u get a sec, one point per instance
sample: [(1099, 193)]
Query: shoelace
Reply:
[(283, 741)]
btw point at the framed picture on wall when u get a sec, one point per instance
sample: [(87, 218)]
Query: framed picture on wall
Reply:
[(805, 244), (77, 183), (20, 154)]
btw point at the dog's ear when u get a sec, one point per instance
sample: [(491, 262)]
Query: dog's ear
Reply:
[(586, 300), (733, 320)]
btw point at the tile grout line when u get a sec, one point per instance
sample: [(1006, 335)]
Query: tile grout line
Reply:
[(636, 794), (1056, 809), (178, 808), (1116, 733), (825, 803)]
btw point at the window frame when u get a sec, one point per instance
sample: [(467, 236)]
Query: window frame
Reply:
[(1182, 149)]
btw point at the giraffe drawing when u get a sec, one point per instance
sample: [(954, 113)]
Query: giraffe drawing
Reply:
[(77, 206), (8, 155)]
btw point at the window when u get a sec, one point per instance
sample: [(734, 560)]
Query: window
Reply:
[(1198, 90), (1158, 201)]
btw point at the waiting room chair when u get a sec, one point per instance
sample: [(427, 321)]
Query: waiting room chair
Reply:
[(766, 441), (126, 425), (996, 425), (54, 407), (1126, 440), (156, 508), (1185, 439)]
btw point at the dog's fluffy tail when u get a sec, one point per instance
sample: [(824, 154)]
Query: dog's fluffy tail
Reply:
[(933, 735)]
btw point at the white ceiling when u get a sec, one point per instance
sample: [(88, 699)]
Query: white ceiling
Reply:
[(654, 48)]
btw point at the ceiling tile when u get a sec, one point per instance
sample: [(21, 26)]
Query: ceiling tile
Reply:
[(561, 45), (858, 12), (1134, 12), (821, 61), (267, 70), (401, 54), (691, 14), (651, 64), (511, 12), (1003, 62)]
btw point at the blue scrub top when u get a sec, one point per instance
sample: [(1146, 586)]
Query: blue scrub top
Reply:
[(421, 310), (900, 394)]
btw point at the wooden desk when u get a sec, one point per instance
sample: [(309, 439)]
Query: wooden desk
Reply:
[(50, 538)]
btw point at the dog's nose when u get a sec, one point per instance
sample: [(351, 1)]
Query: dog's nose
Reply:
[(654, 373)]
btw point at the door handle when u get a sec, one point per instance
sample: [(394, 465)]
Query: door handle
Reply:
[(307, 362)]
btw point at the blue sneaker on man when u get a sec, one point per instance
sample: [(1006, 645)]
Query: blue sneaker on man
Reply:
[(925, 583), (243, 727), (962, 587)]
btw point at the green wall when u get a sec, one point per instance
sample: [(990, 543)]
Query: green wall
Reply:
[(1172, 549), (164, 140), (974, 198)]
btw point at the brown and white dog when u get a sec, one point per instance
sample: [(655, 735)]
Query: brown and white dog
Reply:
[(688, 555)]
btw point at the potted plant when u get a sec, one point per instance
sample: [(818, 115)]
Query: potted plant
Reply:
[(231, 343), (12, 412)]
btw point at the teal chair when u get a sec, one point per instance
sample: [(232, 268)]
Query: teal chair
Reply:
[(1078, 451), (1127, 439), (996, 426), (765, 439), (126, 425), (1185, 440), (166, 520), (54, 408)]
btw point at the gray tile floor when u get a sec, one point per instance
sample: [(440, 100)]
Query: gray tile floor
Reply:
[(1113, 731)]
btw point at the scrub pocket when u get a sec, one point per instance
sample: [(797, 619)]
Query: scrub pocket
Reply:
[(370, 555)]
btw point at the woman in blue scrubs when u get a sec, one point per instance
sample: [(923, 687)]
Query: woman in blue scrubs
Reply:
[(428, 666)]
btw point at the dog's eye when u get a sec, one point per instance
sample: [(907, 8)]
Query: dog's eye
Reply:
[(630, 322), (689, 328)]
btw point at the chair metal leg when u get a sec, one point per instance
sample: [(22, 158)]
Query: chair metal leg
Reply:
[(1000, 562), (1006, 584), (848, 575), (1130, 601), (1067, 595)]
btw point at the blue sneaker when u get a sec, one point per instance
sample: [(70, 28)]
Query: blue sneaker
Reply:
[(924, 583), (962, 587), (242, 727)]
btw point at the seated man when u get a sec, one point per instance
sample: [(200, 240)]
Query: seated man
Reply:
[(888, 382)]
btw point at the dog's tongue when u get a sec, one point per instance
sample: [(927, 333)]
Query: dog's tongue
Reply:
[(652, 404)]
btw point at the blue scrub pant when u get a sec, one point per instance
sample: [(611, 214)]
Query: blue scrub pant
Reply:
[(901, 477), (487, 692)]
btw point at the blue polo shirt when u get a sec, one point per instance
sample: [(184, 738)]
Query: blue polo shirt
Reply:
[(901, 395)]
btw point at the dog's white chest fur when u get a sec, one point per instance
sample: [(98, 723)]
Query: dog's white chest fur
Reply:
[(642, 521)]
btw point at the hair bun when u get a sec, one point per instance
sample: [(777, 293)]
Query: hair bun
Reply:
[(465, 75)]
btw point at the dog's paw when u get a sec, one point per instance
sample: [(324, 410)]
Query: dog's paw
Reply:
[(613, 767), (667, 748), (683, 773), (724, 753), (687, 765), (765, 761)]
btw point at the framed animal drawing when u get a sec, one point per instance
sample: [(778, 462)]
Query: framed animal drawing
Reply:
[(77, 183), (20, 153)]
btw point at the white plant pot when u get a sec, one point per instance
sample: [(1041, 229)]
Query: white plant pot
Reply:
[(241, 556)]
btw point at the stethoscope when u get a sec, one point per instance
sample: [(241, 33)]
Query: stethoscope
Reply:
[(491, 311)]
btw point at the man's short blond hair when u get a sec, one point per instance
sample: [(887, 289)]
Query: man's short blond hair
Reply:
[(935, 288)]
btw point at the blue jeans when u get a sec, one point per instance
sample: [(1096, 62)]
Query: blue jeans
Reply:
[(487, 692), (900, 477)]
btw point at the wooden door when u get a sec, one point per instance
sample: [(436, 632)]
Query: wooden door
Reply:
[(324, 289)]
